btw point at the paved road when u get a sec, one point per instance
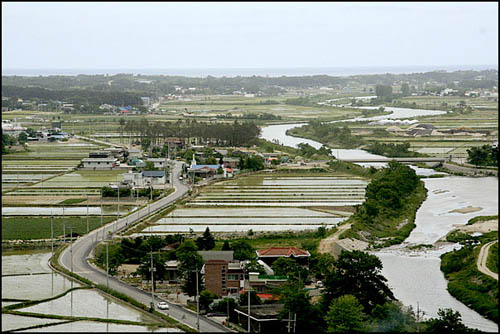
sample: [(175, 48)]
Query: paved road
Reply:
[(483, 257), (83, 246)]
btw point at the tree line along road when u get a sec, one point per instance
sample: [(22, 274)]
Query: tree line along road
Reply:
[(75, 258)]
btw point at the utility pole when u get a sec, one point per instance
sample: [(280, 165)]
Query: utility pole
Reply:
[(197, 302), (64, 227), (107, 265), (153, 269), (248, 292), (52, 232), (118, 212), (87, 214), (71, 245)]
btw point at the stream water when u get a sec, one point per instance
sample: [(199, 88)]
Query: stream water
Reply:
[(416, 278)]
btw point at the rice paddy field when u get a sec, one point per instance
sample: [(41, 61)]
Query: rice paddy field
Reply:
[(36, 228), (28, 276), (263, 202)]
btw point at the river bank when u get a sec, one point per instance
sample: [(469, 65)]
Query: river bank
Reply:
[(413, 272)]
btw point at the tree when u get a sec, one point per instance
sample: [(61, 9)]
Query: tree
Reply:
[(255, 267), (226, 246), (22, 138), (206, 241), (297, 301), (115, 257), (150, 166), (189, 260), (243, 250), (254, 299), (405, 89), (357, 273), (448, 321), (345, 315), (206, 298), (158, 264), (289, 267)]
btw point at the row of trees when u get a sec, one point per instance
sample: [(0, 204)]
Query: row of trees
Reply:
[(221, 134), (330, 133), (391, 150)]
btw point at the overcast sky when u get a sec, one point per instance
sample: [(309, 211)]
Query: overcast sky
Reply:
[(247, 35)]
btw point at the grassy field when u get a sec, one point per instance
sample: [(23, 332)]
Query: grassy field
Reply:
[(28, 228), (304, 240), (492, 261)]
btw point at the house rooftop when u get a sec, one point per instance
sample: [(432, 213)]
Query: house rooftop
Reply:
[(283, 251), (153, 173)]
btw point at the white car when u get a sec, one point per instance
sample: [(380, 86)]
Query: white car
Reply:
[(163, 305)]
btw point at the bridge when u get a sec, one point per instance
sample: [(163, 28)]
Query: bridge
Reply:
[(408, 160)]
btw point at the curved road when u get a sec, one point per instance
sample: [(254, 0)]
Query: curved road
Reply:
[(80, 251), (483, 257)]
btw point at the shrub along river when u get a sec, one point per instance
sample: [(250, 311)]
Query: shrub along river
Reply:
[(415, 276)]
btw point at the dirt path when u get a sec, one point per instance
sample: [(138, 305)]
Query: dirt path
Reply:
[(333, 245), (482, 258)]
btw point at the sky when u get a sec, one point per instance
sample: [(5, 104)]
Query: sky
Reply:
[(247, 35)]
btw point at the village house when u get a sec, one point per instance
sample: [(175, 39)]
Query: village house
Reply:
[(100, 163), (270, 255), (158, 162), (144, 179), (231, 162), (263, 318), (203, 171)]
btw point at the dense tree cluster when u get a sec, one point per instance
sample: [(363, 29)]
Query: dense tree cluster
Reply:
[(485, 155), (385, 195), (76, 96), (253, 163), (391, 150), (332, 133), (220, 134)]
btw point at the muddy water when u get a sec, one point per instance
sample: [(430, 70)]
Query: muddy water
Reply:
[(416, 276)]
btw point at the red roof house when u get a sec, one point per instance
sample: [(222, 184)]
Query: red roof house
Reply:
[(269, 255)]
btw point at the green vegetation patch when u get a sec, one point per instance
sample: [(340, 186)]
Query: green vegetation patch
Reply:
[(27, 228), (481, 219), (492, 261), (467, 284), (388, 213), (73, 201)]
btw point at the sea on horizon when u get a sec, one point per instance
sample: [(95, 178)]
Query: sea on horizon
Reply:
[(233, 72)]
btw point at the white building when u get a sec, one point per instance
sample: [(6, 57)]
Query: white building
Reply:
[(100, 163), (145, 179), (158, 162)]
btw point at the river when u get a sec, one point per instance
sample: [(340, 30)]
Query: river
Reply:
[(416, 277)]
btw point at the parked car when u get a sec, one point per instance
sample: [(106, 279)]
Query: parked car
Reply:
[(319, 284), (163, 305)]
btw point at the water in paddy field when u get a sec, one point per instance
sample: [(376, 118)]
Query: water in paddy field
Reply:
[(28, 276), (416, 276)]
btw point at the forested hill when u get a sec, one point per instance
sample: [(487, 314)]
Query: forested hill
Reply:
[(77, 96), (269, 85)]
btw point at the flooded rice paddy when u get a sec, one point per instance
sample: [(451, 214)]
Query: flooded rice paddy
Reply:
[(12, 322), (286, 191), (99, 327), (18, 284)]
